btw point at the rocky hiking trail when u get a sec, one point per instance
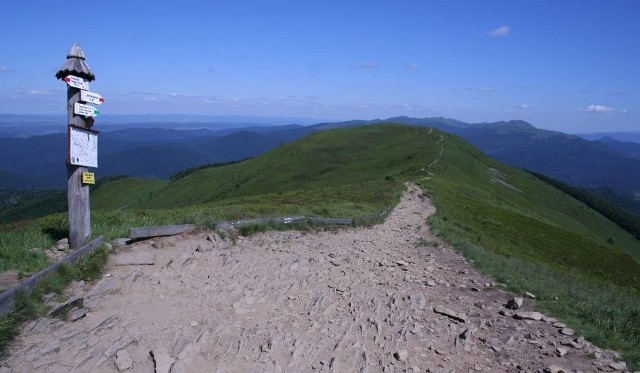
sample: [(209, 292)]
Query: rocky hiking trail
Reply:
[(346, 300)]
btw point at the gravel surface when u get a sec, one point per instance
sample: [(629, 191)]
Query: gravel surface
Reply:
[(344, 300)]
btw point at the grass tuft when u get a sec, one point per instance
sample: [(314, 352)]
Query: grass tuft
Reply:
[(428, 243), (29, 305)]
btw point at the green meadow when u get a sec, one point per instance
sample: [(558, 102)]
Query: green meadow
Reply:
[(583, 268)]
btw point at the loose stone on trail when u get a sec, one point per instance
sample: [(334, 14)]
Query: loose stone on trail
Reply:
[(515, 303), (401, 355), (449, 313), (123, 361), (528, 315), (274, 302), (162, 361), (567, 331)]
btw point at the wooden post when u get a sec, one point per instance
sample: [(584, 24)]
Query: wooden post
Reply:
[(77, 192), (79, 207)]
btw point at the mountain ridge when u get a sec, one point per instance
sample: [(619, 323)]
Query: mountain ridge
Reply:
[(588, 164), (527, 234)]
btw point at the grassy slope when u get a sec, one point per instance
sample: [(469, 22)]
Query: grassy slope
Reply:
[(25, 204), (536, 222), (346, 173), (535, 238), (123, 193), (538, 239), (331, 159), (360, 170)]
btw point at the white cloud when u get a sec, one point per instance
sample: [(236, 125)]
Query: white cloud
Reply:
[(37, 92), (413, 65), (144, 93), (487, 89), (5, 70), (500, 31), (601, 109), (524, 106), (366, 65)]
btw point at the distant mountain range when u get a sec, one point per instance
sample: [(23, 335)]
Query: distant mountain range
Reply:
[(12, 125), (605, 164), (608, 167), (629, 148), (39, 161), (619, 136)]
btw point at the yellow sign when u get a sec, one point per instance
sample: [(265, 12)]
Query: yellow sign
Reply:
[(88, 178)]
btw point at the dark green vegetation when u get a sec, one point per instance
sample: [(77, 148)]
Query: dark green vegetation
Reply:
[(583, 267), (624, 220), (516, 227), (142, 152), (16, 205), (346, 173), (570, 159), (608, 166), (514, 213), (189, 171), (616, 199)]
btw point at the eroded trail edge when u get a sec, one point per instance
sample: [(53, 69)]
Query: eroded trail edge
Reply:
[(349, 300)]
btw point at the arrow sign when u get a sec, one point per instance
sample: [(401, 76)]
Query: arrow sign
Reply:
[(76, 82), (86, 110), (91, 97)]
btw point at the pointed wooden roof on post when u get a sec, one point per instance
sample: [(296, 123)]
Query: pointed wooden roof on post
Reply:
[(76, 65)]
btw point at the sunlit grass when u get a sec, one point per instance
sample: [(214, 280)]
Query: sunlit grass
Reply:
[(29, 305), (514, 226), (583, 268)]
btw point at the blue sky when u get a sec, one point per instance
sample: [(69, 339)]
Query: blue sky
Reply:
[(567, 65)]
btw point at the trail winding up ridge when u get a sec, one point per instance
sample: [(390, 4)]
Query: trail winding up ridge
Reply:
[(347, 300)]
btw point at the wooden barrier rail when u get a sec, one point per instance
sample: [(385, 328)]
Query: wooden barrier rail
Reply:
[(8, 297)]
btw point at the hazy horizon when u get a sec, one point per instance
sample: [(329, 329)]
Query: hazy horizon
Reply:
[(569, 66), (121, 120)]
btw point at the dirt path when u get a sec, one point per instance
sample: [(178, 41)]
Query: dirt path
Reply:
[(352, 300)]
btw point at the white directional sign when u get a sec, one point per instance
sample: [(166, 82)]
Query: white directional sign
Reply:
[(83, 147), (86, 110), (91, 97), (76, 82)]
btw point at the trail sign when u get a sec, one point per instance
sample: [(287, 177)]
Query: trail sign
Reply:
[(86, 110), (83, 147), (88, 178), (91, 97), (82, 144), (76, 82)]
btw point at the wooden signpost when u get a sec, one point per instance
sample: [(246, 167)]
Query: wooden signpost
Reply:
[(82, 149)]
